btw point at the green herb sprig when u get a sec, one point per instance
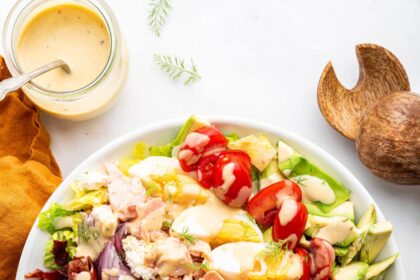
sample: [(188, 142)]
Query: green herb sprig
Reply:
[(175, 67), (158, 14), (274, 251)]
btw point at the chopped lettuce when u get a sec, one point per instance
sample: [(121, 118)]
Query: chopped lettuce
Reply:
[(62, 235), (140, 152), (46, 218), (258, 148), (232, 136), (166, 150), (84, 200)]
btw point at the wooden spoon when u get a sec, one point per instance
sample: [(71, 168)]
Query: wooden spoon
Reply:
[(380, 74)]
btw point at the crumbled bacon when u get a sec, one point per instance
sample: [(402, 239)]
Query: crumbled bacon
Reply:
[(79, 265), (61, 256), (48, 275)]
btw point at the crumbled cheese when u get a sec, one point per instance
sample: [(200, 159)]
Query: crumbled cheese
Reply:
[(91, 181), (135, 251)]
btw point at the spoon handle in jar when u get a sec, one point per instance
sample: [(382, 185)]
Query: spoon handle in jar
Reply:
[(17, 82)]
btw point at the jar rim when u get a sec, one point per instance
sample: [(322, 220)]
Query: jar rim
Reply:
[(9, 32)]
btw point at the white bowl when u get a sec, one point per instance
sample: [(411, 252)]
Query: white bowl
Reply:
[(161, 133)]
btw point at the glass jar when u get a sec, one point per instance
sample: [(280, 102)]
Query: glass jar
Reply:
[(88, 101)]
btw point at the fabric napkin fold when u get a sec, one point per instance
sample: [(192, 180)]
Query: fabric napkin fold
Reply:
[(28, 173)]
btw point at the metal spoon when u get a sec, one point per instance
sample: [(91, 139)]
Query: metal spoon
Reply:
[(17, 82)]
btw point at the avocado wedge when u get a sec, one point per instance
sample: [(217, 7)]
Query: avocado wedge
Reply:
[(344, 210), (377, 270), (375, 240), (353, 271), (336, 230), (292, 164), (367, 220)]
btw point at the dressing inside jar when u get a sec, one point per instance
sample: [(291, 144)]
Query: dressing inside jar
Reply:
[(83, 33)]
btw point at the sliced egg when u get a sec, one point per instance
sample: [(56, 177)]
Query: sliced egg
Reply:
[(155, 166), (235, 260), (217, 223)]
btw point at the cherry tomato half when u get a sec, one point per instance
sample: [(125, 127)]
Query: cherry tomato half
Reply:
[(270, 198), (290, 221), (323, 256), (205, 169), (204, 141), (232, 178), (306, 263)]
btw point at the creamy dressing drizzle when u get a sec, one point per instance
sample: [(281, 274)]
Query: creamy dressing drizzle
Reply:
[(228, 179), (243, 195), (196, 140), (315, 189), (287, 211), (336, 232), (205, 221), (283, 194)]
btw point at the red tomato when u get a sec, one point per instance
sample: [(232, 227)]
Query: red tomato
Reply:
[(232, 178), (205, 169), (323, 256), (204, 141), (306, 263), (290, 221), (270, 198)]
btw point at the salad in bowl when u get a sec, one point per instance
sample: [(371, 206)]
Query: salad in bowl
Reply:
[(210, 205)]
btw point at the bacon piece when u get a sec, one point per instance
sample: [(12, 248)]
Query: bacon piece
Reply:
[(48, 275)]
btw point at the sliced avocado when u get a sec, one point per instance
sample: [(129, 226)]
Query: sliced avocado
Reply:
[(270, 175), (377, 270), (375, 240), (367, 220), (344, 210), (332, 229), (292, 164), (340, 251), (353, 271), (353, 249), (268, 235)]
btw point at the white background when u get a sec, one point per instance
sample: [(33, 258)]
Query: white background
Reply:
[(261, 60)]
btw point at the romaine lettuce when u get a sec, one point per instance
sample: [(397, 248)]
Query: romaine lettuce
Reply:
[(46, 218), (166, 150), (84, 200)]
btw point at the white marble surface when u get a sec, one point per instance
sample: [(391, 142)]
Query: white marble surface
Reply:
[(261, 60)]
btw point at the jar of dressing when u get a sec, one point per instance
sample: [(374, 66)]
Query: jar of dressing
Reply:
[(83, 33)]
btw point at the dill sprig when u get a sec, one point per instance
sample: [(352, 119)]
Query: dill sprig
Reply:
[(274, 251), (300, 180), (175, 67), (200, 266), (152, 188), (189, 239), (158, 14)]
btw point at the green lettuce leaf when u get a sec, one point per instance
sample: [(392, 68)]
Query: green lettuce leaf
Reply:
[(140, 152), (166, 150), (62, 235), (85, 200), (46, 218), (232, 136)]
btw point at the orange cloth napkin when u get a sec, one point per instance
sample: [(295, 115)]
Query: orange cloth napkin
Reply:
[(28, 174)]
